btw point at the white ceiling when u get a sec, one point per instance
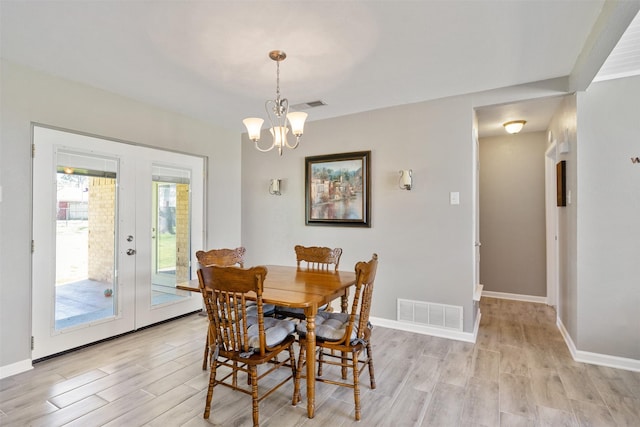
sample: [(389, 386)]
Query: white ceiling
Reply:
[(624, 61), (208, 59)]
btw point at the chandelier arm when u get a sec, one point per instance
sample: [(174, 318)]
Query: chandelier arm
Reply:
[(262, 149), (277, 121), (295, 145), (284, 106)]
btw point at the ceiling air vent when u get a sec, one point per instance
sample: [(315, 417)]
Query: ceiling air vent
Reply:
[(307, 105)]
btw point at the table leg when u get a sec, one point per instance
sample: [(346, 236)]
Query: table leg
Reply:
[(344, 301), (310, 313)]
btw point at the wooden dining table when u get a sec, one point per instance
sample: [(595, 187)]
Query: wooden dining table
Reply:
[(301, 288)]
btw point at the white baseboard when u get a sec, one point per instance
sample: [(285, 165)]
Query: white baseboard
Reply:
[(578, 355), (477, 292), (428, 330), (476, 327), (515, 297), (596, 358), (15, 368)]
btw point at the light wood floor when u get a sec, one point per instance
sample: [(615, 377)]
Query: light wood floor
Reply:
[(518, 373)]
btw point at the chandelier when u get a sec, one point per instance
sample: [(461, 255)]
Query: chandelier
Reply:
[(278, 115)]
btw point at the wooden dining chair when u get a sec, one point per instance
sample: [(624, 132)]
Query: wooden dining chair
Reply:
[(225, 257), (240, 340), (319, 258), (222, 257), (313, 258), (344, 337)]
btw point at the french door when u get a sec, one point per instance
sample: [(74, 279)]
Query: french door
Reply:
[(114, 229)]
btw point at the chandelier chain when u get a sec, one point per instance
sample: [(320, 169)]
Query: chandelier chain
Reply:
[(278, 80)]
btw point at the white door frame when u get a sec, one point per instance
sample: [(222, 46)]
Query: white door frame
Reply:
[(134, 218), (551, 215), (477, 287)]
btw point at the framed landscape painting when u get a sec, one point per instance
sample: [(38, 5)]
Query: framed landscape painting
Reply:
[(561, 183), (337, 189)]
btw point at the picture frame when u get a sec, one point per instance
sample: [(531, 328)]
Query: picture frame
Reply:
[(561, 183), (338, 189)]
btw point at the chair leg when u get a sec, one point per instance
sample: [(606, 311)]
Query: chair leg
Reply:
[(356, 384), (234, 375), (345, 362), (205, 359), (212, 381), (254, 393), (320, 359), (292, 361), (296, 383), (372, 378)]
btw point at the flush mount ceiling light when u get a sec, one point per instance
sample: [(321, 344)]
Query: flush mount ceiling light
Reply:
[(514, 126), (278, 115)]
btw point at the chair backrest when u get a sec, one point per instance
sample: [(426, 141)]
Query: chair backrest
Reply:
[(359, 316), (224, 290), (221, 257), (318, 257)]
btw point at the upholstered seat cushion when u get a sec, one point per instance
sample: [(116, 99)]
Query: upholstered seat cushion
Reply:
[(275, 331), (267, 309), (329, 326)]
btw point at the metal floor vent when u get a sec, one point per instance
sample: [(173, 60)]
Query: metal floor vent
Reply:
[(430, 314)]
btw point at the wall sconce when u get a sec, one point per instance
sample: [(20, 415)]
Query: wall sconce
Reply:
[(406, 179), (274, 187), (563, 146)]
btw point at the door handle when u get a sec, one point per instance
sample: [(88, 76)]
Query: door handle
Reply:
[(131, 251)]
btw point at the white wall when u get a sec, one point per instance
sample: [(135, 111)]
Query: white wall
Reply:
[(608, 221), (512, 214), (28, 96)]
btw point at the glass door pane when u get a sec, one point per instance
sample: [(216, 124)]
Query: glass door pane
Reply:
[(171, 233), (85, 285)]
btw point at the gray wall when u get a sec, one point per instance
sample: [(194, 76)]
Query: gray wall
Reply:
[(425, 245), (599, 237), (563, 127), (27, 96), (512, 214), (608, 218)]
